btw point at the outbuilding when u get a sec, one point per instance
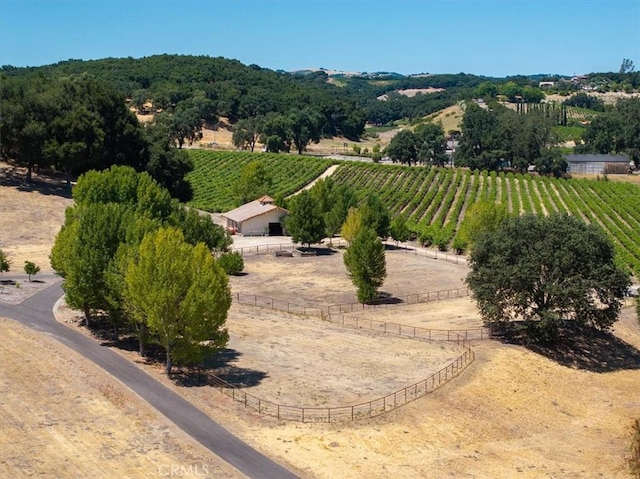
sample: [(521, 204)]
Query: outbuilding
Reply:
[(261, 217), (597, 164)]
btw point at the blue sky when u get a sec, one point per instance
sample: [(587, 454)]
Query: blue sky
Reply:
[(492, 37)]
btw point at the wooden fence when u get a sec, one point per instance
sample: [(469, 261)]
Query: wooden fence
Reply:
[(338, 242), (459, 336), (395, 300), (367, 409), (293, 308)]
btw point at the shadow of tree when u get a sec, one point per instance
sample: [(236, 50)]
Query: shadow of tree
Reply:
[(385, 298), (597, 351), (43, 182), (221, 366), (583, 348)]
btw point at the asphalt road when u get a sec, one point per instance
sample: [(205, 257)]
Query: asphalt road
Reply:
[(36, 312)]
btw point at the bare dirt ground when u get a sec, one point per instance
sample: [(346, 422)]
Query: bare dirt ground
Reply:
[(61, 416), (513, 413), (309, 362), (30, 216), (322, 280)]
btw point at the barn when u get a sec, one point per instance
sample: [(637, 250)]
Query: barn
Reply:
[(597, 164), (261, 217)]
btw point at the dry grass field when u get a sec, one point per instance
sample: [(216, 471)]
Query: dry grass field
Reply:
[(514, 412), (63, 417)]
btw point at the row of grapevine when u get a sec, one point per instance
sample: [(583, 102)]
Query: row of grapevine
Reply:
[(437, 199), (216, 172)]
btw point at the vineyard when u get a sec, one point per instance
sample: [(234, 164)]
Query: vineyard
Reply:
[(435, 199), (216, 172), (568, 133)]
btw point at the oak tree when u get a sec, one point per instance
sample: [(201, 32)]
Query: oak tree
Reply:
[(546, 271)]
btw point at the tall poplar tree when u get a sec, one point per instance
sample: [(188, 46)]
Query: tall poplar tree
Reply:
[(181, 293), (366, 264)]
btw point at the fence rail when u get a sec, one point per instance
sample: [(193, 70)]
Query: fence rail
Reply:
[(395, 300), (459, 336), (367, 409), (323, 312), (339, 242)]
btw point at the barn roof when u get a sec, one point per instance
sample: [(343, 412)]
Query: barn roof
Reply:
[(251, 210), (596, 158)]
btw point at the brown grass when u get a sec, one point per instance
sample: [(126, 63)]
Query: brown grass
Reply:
[(61, 416)]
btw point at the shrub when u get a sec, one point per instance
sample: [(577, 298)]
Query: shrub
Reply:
[(231, 263)]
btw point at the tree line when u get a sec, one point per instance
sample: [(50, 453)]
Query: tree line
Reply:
[(79, 123), (130, 251)]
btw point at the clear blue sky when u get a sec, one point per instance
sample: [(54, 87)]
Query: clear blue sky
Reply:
[(491, 37)]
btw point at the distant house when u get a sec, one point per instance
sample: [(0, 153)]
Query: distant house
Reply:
[(597, 164), (261, 217), (546, 84)]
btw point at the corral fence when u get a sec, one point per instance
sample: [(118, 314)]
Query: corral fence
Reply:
[(277, 305), (340, 243), (459, 336), (395, 300), (367, 409), (323, 312)]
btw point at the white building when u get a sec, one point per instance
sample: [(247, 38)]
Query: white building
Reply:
[(597, 164), (261, 217)]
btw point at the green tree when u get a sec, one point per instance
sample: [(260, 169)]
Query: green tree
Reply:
[(431, 144), (304, 127), (616, 131), (31, 269), (231, 263), (375, 215), (255, 181), (5, 263), (545, 271), (481, 217), (366, 264), (181, 293), (480, 141), (184, 125), (276, 134), (352, 225), (83, 250), (399, 229), (305, 222), (247, 132), (334, 200), (551, 162), (402, 147), (167, 164)]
